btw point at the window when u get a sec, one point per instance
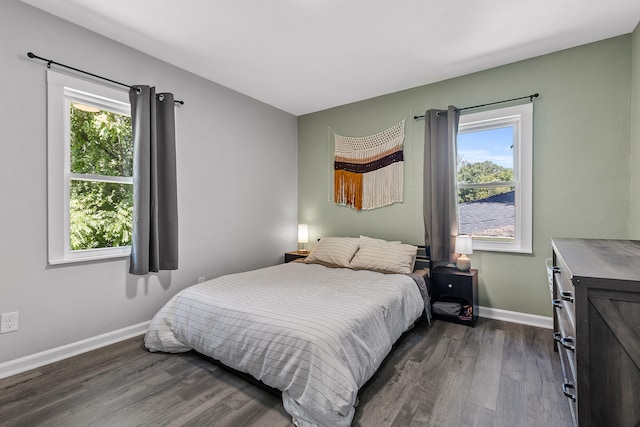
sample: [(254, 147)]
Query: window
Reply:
[(494, 175), (90, 169)]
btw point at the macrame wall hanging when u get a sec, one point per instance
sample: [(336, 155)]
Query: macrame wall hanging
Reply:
[(369, 170)]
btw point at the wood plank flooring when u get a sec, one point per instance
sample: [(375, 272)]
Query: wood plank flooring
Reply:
[(496, 374)]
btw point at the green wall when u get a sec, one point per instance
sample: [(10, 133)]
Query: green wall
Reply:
[(581, 160)]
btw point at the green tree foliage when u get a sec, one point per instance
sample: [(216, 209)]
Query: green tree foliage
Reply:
[(478, 173), (101, 213)]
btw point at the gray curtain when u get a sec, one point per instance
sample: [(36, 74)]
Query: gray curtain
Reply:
[(440, 210), (154, 244)]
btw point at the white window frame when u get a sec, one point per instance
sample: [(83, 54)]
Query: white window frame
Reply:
[(62, 89), (521, 118)]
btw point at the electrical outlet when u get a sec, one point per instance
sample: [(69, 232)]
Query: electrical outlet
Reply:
[(8, 322), (201, 279)]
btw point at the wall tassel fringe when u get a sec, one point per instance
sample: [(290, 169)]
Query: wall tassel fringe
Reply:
[(369, 170)]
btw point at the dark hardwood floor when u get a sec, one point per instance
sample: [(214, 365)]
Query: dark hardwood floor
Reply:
[(496, 374)]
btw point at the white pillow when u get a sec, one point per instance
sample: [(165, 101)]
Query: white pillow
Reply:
[(386, 257), (334, 251)]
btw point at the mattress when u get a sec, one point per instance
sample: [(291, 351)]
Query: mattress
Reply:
[(313, 332)]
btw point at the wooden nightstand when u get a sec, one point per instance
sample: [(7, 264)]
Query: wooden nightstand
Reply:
[(450, 284), (291, 256)]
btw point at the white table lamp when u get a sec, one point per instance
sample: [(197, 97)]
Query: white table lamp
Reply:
[(303, 237), (464, 247)]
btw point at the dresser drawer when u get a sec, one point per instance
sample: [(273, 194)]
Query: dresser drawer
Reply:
[(564, 298), (565, 338), (565, 308), (568, 381), (563, 275)]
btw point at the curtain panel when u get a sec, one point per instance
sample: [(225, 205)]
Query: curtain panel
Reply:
[(155, 208), (439, 186)]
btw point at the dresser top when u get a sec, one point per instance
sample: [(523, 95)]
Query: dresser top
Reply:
[(600, 258)]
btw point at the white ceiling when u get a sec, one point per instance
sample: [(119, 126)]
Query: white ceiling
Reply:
[(303, 56)]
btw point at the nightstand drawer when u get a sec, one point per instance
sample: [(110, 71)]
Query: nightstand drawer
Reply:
[(292, 256), (452, 285)]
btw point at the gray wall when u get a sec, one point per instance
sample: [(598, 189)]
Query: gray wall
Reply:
[(581, 161), (237, 184)]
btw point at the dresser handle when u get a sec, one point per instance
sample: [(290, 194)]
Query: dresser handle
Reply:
[(556, 303), (567, 296), (568, 343), (565, 389)]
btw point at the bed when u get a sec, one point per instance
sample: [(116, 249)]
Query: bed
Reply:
[(315, 330)]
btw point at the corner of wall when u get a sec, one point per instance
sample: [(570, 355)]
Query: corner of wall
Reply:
[(634, 186)]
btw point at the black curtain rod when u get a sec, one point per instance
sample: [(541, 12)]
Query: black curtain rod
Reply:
[(535, 95), (49, 62)]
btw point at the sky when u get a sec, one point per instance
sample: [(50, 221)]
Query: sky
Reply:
[(492, 144)]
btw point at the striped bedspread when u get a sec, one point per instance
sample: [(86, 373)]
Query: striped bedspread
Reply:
[(315, 333)]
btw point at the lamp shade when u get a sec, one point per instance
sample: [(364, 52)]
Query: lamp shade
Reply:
[(464, 245), (303, 233)]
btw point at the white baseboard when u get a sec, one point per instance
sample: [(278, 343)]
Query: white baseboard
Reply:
[(22, 364), (515, 317)]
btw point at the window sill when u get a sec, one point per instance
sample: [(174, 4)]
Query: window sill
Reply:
[(497, 247), (91, 255)]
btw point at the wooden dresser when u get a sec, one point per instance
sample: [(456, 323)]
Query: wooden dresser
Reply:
[(596, 300)]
